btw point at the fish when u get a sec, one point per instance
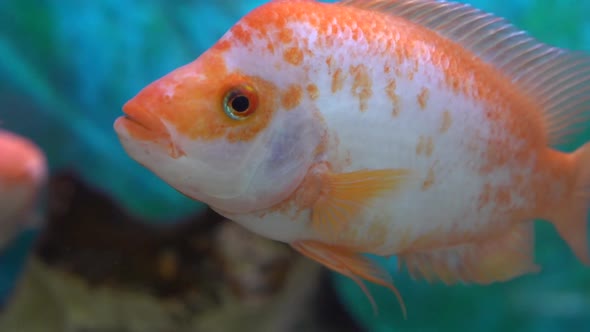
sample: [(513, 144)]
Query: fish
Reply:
[(426, 130), (23, 175)]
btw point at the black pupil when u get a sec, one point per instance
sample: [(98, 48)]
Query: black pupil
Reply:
[(240, 104)]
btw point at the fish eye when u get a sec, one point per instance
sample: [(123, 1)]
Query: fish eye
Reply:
[(240, 102)]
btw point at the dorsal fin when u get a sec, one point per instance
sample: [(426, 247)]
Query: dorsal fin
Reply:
[(557, 79)]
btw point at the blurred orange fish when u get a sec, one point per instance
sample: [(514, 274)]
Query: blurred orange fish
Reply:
[(418, 128), (23, 173)]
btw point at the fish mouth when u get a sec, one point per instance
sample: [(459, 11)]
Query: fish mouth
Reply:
[(135, 121), (139, 120), (142, 125)]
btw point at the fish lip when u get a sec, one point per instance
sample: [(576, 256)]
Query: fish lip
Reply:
[(133, 112), (141, 116), (134, 120), (148, 127)]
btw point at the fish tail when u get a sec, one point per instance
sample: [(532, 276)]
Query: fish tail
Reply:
[(561, 85), (571, 221)]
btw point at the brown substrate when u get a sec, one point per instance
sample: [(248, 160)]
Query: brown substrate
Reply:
[(202, 274)]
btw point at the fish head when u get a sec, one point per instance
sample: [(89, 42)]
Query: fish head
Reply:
[(23, 173), (231, 129)]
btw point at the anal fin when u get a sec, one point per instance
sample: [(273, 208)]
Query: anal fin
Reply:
[(351, 264), (499, 258)]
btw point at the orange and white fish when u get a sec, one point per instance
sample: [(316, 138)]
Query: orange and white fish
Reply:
[(23, 173), (417, 128)]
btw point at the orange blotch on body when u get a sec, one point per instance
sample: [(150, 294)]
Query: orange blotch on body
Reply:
[(270, 47), (429, 181), (392, 94), (291, 98), (361, 85), (503, 197), (485, 196), (286, 36), (330, 64), (313, 91), (338, 78), (425, 146), (386, 68), (423, 98), (293, 55), (446, 122), (241, 34)]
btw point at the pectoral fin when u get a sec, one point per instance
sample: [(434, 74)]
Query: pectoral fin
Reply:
[(343, 195), (349, 263), (497, 259)]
